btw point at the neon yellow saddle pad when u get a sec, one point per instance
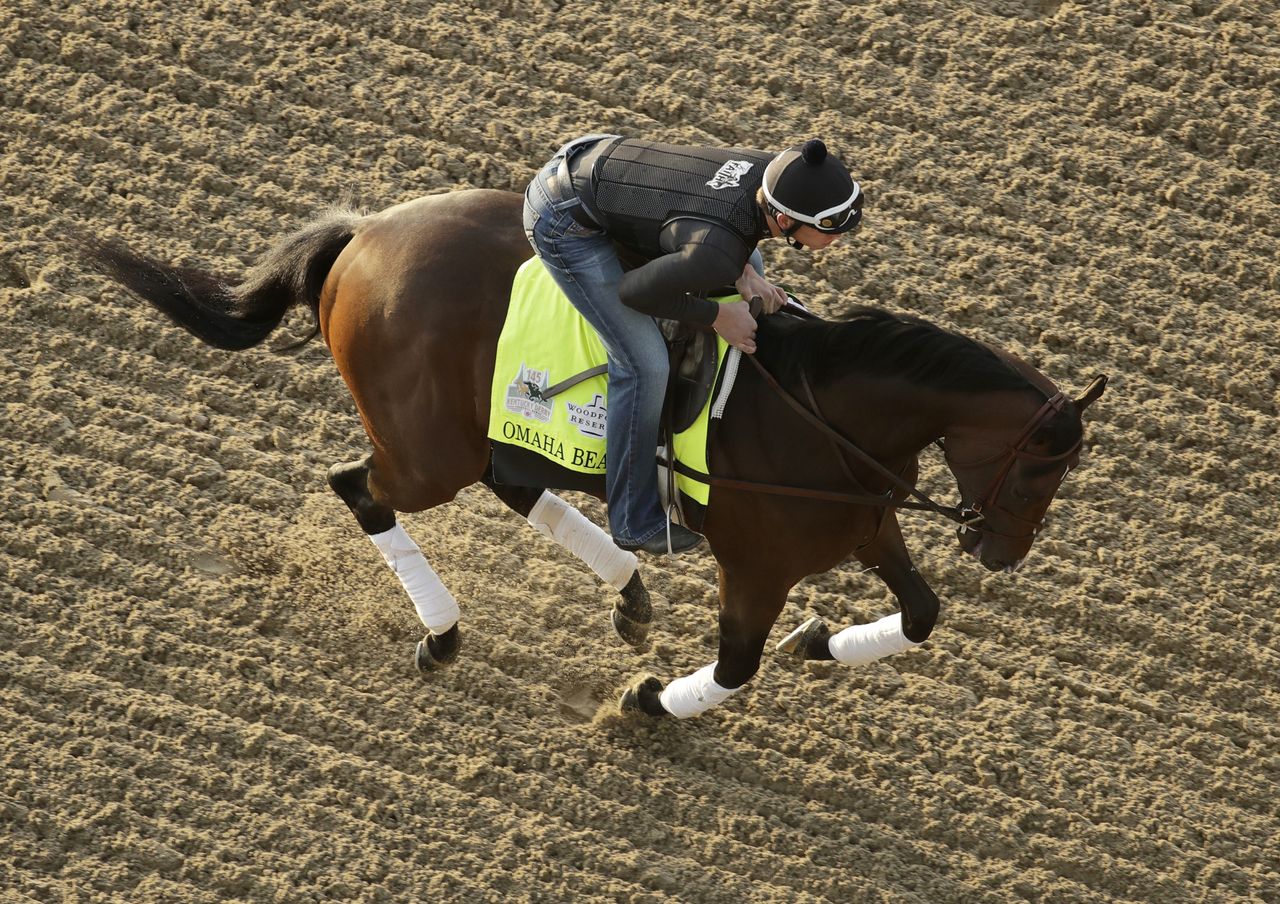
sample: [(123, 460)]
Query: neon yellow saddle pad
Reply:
[(544, 342)]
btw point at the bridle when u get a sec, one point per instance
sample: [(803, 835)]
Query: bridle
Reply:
[(975, 513)]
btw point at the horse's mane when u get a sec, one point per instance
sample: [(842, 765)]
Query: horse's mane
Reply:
[(875, 341)]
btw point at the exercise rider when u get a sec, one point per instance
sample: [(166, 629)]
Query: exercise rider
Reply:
[(694, 215)]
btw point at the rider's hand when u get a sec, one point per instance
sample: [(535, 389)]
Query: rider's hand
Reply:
[(736, 325), (752, 283)]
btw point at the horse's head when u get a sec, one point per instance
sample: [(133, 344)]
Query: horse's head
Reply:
[(1008, 477)]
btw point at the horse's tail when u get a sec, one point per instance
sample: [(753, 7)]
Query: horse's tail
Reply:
[(239, 316)]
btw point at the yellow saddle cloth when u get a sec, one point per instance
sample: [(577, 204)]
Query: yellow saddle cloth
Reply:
[(546, 342)]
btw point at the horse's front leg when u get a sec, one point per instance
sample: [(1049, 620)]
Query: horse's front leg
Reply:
[(904, 630), (748, 609)]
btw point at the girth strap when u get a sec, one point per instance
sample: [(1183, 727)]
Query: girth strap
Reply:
[(575, 380)]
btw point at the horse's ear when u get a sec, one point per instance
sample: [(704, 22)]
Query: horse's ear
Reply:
[(1090, 395)]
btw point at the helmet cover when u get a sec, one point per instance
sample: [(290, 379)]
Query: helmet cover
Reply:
[(813, 187)]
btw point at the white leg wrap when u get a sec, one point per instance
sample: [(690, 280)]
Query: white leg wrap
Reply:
[(694, 693), (557, 519), (435, 604), (862, 644)]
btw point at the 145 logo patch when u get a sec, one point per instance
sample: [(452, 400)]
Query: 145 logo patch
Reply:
[(524, 394)]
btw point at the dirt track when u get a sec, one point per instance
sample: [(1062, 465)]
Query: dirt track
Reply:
[(205, 692)]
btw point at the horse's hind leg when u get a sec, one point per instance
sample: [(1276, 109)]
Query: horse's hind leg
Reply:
[(435, 605), (351, 482), (553, 517)]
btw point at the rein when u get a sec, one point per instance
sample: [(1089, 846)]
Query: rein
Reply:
[(881, 500), (969, 517), (842, 442)]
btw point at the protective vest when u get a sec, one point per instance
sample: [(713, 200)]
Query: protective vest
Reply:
[(639, 186)]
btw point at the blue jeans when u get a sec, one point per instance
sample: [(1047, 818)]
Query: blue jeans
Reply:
[(585, 266)]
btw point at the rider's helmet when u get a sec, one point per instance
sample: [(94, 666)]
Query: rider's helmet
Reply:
[(813, 187)]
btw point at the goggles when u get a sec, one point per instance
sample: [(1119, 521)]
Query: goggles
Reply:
[(844, 217)]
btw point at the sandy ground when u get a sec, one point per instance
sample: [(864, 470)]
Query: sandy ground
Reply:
[(205, 689)]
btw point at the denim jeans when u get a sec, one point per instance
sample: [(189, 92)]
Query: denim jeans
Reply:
[(585, 266)]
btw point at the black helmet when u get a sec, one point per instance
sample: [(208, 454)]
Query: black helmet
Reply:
[(813, 187)]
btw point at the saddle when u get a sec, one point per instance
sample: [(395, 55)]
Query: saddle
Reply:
[(694, 361)]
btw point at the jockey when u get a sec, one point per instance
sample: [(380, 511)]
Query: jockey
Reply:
[(691, 217)]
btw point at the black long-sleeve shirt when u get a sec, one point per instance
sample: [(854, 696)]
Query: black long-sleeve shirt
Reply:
[(700, 256)]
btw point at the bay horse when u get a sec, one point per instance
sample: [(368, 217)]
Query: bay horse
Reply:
[(817, 448)]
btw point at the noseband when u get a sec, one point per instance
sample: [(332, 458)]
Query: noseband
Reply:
[(974, 514)]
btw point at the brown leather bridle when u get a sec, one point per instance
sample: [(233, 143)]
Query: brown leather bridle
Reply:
[(975, 513)]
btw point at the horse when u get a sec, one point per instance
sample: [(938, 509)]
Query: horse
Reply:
[(818, 448)]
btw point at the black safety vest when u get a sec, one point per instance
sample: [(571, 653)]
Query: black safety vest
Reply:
[(640, 186)]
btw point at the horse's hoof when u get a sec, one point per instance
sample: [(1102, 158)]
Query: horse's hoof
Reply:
[(633, 632), (632, 615), (435, 651), (642, 697), (806, 641)]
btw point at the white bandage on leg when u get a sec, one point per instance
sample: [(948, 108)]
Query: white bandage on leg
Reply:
[(435, 604), (557, 519), (862, 644), (694, 693)]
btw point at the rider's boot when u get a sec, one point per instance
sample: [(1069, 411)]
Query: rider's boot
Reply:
[(675, 540)]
